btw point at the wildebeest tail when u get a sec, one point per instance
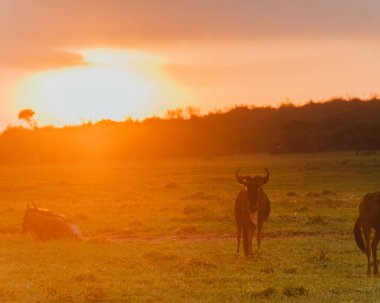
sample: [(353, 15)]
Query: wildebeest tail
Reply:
[(359, 236)]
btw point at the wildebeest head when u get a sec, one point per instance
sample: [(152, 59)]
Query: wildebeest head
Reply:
[(29, 212), (253, 185), (45, 225)]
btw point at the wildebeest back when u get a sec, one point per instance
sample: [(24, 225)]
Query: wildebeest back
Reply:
[(45, 225)]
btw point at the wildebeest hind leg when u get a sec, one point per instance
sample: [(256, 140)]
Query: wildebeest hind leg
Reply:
[(367, 233), (375, 241)]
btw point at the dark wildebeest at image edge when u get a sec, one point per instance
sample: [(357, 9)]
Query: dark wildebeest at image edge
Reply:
[(252, 208), (43, 224), (369, 217)]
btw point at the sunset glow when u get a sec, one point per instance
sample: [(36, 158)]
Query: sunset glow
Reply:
[(189, 151), (111, 84), (88, 60)]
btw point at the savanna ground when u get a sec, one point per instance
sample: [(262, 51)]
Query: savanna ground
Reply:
[(164, 231)]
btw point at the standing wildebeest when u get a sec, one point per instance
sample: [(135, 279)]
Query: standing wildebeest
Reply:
[(369, 217), (46, 225), (252, 208)]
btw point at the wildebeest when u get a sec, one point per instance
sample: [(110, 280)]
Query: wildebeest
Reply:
[(369, 217), (43, 224), (252, 208)]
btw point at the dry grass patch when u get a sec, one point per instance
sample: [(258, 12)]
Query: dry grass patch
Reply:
[(7, 295), (85, 277), (187, 230), (198, 212), (201, 263), (171, 185), (294, 291), (320, 220), (93, 293), (160, 256), (265, 294), (200, 195)]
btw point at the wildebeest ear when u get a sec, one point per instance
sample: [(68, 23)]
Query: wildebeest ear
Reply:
[(30, 205), (239, 179), (265, 179)]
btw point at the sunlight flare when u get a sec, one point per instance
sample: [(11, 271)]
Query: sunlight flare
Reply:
[(112, 84)]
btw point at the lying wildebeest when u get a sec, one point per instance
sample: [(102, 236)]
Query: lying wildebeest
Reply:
[(369, 217), (46, 225), (252, 208)]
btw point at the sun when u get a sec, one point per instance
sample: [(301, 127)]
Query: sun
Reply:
[(111, 84)]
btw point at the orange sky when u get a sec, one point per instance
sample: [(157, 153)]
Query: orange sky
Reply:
[(216, 53)]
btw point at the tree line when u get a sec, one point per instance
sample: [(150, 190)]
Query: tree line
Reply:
[(335, 125)]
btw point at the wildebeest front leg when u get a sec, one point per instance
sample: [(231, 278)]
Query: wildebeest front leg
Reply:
[(239, 234), (375, 241), (367, 233), (259, 229), (251, 233)]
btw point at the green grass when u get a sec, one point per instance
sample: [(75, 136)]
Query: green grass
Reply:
[(163, 231)]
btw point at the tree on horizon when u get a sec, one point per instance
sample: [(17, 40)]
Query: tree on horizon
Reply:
[(27, 116)]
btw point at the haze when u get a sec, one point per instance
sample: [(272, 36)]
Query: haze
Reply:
[(208, 54)]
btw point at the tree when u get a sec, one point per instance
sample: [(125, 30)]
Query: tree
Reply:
[(174, 114), (27, 116), (192, 112)]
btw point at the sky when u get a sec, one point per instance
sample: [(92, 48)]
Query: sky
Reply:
[(155, 55)]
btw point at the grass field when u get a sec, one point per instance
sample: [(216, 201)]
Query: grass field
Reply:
[(164, 231)]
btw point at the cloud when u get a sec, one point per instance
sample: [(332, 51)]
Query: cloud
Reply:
[(34, 30), (38, 58)]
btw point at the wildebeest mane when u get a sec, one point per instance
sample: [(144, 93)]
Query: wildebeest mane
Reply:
[(48, 212)]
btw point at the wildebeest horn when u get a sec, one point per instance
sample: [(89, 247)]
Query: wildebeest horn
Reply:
[(266, 178), (240, 180)]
